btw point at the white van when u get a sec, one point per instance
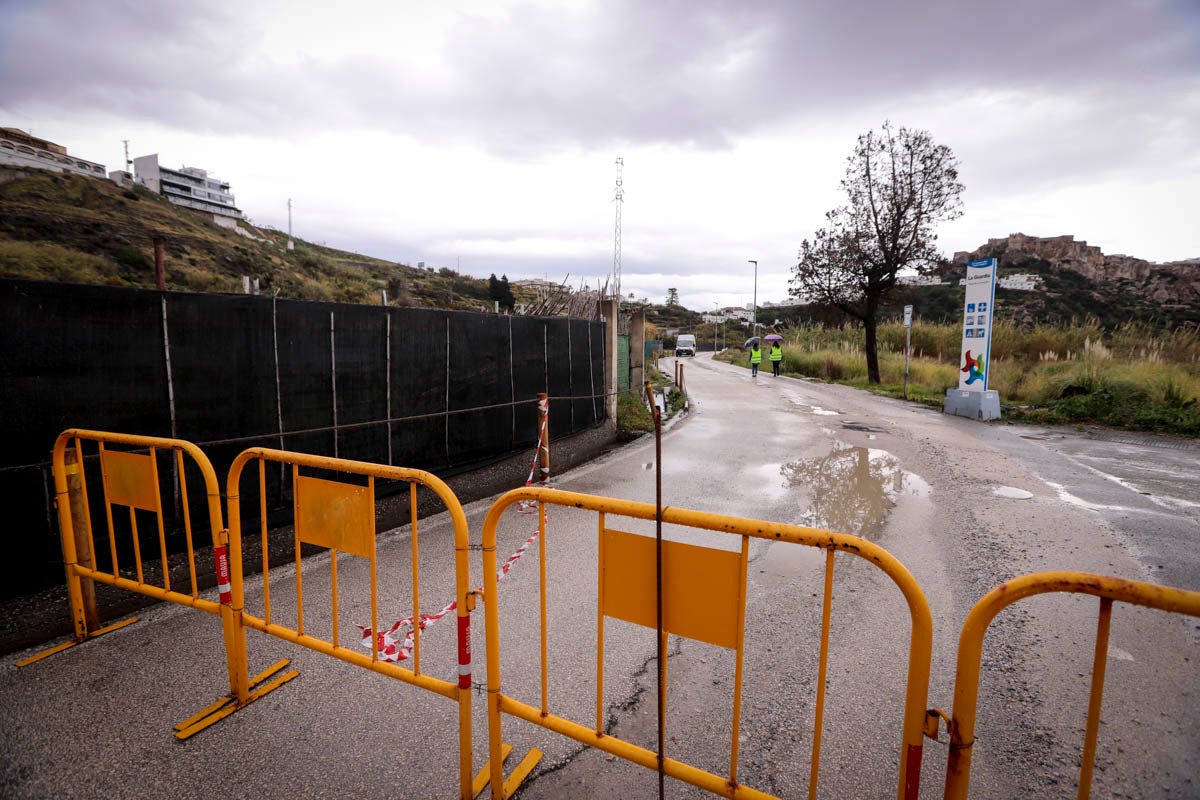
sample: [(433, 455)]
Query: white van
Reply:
[(685, 345)]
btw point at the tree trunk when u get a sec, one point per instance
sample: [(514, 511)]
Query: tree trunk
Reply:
[(871, 346)]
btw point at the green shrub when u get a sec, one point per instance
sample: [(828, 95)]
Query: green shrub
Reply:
[(133, 259), (633, 417), (675, 400)]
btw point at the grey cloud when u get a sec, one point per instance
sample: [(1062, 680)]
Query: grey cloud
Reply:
[(692, 73), (696, 72), (173, 62)]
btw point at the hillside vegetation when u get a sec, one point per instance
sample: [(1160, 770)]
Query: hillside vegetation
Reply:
[(59, 227)]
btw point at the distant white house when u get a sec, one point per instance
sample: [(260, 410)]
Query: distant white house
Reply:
[(919, 280), (1020, 283), (189, 187), (20, 149)]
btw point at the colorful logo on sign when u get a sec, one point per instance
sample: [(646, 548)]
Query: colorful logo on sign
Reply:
[(974, 368)]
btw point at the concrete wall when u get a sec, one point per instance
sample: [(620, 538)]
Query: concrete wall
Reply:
[(637, 352)]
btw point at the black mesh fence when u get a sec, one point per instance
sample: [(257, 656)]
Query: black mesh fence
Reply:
[(437, 390)]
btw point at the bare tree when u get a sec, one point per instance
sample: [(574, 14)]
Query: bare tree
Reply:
[(898, 185)]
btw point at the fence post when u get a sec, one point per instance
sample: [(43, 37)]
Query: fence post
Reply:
[(333, 380), (160, 272), (570, 374), (82, 530), (592, 372), (387, 377), (512, 388)]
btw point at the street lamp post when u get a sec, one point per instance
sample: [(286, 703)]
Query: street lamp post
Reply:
[(754, 321), (715, 304)]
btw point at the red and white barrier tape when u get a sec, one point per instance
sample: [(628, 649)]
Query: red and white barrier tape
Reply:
[(393, 649), (528, 506)]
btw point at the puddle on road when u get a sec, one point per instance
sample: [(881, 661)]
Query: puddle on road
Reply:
[(816, 411), (862, 427), (1042, 436), (1012, 493), (851, 490)]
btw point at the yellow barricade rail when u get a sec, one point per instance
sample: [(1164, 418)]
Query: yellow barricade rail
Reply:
[(130, 479), (729, 567), (341, 516), (970, 651)]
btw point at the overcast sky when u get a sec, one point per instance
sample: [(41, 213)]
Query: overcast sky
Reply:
[(484, 134)]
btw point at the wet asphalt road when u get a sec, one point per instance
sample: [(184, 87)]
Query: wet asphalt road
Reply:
[(95, 721)]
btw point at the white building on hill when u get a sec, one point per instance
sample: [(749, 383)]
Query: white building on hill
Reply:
[(918, 280), (1022, 282), (20, 149), (189, 187)]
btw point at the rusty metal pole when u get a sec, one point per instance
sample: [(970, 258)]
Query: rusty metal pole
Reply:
[(658, 584), (160, 270), (544, 435), (83, 538)]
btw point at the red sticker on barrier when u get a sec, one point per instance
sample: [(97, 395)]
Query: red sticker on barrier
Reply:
[(464, 651), (226, 591), (912, 772)]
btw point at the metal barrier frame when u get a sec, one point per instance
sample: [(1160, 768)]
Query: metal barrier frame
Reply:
[(460, 691), (970, 653), (242, 690), (921, 642)]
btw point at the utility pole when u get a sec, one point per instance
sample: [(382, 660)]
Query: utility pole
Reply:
[(754, 322), (619, 199), (128, 163), (290, 245)]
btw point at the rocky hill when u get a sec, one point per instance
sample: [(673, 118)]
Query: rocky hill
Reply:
[(1174, 285)]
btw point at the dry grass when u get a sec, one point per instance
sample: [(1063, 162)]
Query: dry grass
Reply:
[(1133, 376)]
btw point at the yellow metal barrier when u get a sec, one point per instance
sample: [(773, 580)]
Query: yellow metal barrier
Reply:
[(716, 617), (340, 516), (130, 479), (970, 651)]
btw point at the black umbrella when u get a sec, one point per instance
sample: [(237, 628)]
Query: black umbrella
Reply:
[(750, 341)]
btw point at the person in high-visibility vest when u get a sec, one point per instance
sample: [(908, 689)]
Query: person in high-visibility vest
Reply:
[(755, 359), (776, 357)]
